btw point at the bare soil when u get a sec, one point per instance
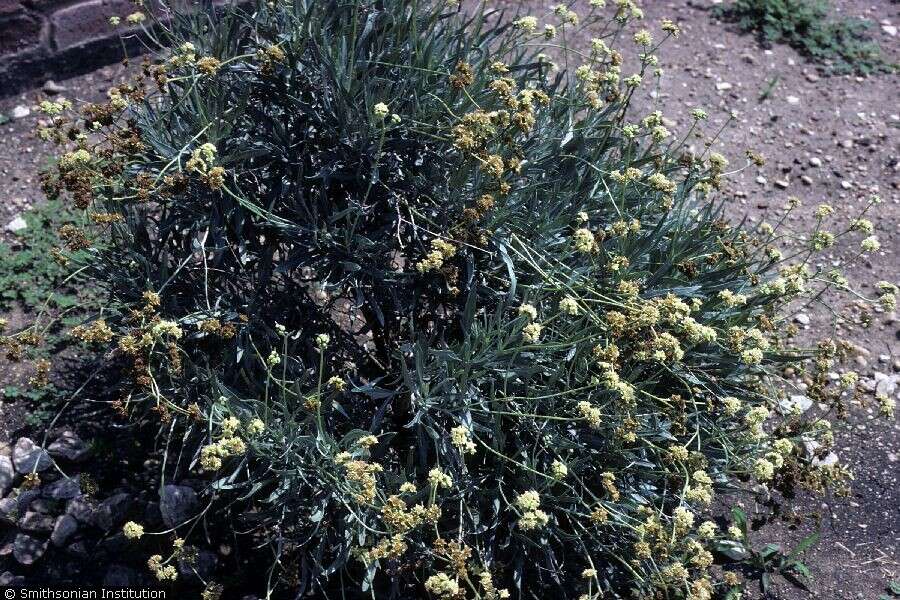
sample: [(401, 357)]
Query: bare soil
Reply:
[(826, 139)]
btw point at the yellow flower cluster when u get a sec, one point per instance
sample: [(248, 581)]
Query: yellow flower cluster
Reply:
[(532, 516), (201, 162), (361, 476), (434, 260), (461, 437)]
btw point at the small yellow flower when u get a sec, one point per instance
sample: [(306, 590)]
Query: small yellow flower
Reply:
[(870, 244), (529, 311), (763, 470), (439, 479), (528, 24), (643, 38), (336, 383), (584, 241), (132, 530), (569, 306), (255, 427), (559, 470), (531, 333), (824, 210), (322, 341)]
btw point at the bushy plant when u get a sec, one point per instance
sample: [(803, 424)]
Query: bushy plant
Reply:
[(427, 314), (807, 26)]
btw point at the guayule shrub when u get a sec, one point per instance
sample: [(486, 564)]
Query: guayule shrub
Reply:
[(430, 315)]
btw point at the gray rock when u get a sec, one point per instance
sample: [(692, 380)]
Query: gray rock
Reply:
[(63, 489), (886, 385), (17, 224), (112, 512), (69, 446), (28, 549), (177, 503), (9, 510), (7, 579), (64, 528), (51, 87), (28, 457), (802, 318), (36, 522), (7, 475)]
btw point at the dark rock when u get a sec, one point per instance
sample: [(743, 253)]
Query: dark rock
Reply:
[(78, 550), (26, 498), (69, 446), (7, 579), (40, 505), (112, 511), (28, 549), (120, 577), (153, 516), (197, 564), (63, 489), (28, 457), (19, 32), (114, 545), (81, 509), (177, 503), (86, 21), (7, 475), (36, 522), (65, 527)]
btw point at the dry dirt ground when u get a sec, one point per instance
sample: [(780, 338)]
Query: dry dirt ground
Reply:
[(826, 139)]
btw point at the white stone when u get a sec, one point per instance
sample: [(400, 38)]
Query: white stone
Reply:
[(19, 112), (891, 30), (830, 459), (795, 402), (17, 224), (793, 100), (723, 86)]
